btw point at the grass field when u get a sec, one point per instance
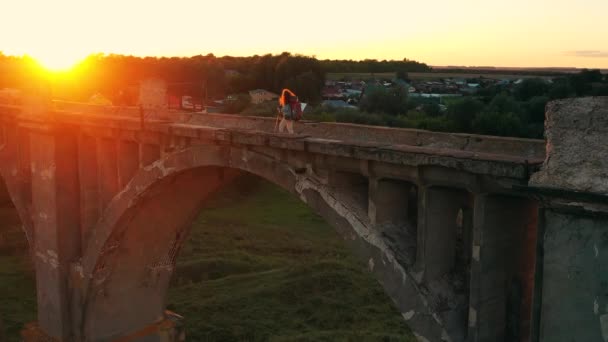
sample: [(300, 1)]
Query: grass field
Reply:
[(424, 75), (17, 283), (259, 266)]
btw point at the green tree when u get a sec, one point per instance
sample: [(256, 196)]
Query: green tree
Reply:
[(463, 111), (599, 89), (590, 76), (504, 103), (402, 75), (529, 88), (488, 93), (374, 66), (502, 124), (535, 109), (583, 81), (289, 67), (561, 89), (379, 99), (431, 109), (240, 83), (307, 86)]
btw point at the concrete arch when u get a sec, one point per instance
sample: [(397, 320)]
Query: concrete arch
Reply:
[(12, 167), (120, 256)]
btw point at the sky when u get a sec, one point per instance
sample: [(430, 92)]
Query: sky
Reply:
[(513, 33)]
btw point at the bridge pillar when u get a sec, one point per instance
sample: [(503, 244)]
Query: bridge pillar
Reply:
[(353, 186), (55, 203), (438, 210), (90, 200), (107, 157), (573, 258), (573, 275), (388, 201), (502, 268)]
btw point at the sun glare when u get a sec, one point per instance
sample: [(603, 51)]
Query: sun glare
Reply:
[(57, 62)]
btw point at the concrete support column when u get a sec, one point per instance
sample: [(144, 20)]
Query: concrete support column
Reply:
[(353, 186), (5, 196), (90, 201), (56, 217), (108, 170), (574, 276), (128, 161), (388, 201), (15, 164), (25, 180), (437, 226), (502, 268), (148, 154)]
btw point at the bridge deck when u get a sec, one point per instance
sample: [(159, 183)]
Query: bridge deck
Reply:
[(510, 157)]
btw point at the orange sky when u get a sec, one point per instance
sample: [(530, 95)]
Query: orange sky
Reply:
[(437, 32)]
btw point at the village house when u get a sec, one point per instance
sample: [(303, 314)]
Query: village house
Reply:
[(261, 95), (332, 93)]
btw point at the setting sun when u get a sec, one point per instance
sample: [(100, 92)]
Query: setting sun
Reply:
[(57, 61)]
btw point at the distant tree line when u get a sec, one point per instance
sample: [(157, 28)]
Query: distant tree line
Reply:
[(14, 70), (373, 66), (207, 77), (498, 71)]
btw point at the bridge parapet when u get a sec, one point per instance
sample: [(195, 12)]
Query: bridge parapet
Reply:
[(401, 146), (525, 148)]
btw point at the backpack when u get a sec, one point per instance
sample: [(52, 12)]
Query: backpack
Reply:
[(296, 110)]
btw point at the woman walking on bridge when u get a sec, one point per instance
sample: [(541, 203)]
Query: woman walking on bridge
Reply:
[(289, 110)]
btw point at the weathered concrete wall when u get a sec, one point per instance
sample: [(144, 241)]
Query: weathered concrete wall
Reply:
[(527, 148), (577, 152), (575, 278), (436, 258), (55, 210), (16, 173), (388, 201), (502, 268), (438, 208)]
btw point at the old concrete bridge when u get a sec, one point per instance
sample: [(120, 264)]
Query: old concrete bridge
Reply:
[(469, 240)]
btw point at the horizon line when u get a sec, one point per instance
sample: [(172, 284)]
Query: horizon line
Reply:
[(405, 59)]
